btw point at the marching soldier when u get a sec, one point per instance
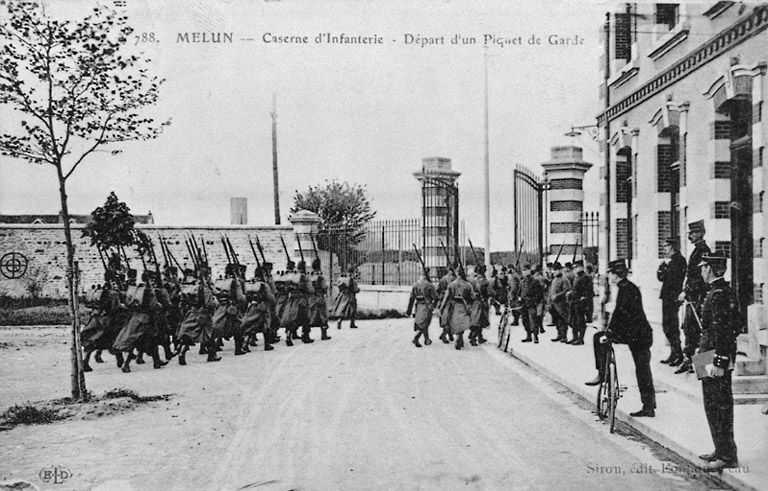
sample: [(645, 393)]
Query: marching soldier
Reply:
[(105, 322), (346, 300), (423, 298), (281, 295), (719, 315), (257, 317), (140, 332), (318, 307), (198, 305), (483, 292), (457, 299), (628, 325), (445, 318), (296, 311), (226, 318), (693, 293), (671, 273), (274, 319)]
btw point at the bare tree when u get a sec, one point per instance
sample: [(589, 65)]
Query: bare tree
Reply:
[(77, 89)]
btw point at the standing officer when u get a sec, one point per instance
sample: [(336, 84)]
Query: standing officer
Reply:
[(558, 304), (582, 295), (671, 273), (628, 325), (719, 314), (423, 297), (531, 297), (694, 291)]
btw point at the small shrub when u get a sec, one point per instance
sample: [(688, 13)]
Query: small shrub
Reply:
[(117, 393)]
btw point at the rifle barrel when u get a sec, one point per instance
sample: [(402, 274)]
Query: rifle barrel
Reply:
[(301, 251)]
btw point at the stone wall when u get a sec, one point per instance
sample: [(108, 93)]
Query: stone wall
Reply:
[(44, 247)]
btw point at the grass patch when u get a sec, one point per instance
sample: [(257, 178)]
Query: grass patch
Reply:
[(42, 315), (113, 401), (29, 414)]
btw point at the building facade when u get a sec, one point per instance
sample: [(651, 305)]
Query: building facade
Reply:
[(684, 125)]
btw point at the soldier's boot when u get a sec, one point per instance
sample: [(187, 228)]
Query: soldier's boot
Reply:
[(118, 358), (239, 346), (352, 324), (580, 336), (535, 338), (212, 354), (515, 319), (288, 337), (245, 343), (443, 337), (305, 335), (338, 324), (427, 340), (219, 344), (97, 357), (480, 338), (685, 367), (295, 334), (324, 336), (127, 363), (139, 357), (183, 355), (460, 341), (202, 350), (167, 351), (86, 358), (252, 341), (156, 361), (416, 340), (528, 338)]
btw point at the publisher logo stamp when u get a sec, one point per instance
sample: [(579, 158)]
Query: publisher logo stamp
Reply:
[(54, 474)]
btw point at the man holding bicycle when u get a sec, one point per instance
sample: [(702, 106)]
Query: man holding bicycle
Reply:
[(628, 325)]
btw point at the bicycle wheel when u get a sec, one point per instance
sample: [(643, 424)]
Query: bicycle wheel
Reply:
[(599, 409), (502, 328), (613, 394)]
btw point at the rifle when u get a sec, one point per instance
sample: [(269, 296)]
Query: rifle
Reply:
[(125, 256), (517, 260), (159, 279), (256, 256), (261, 249), (301, 251), (423, 266), (287, 256), (447, 257), (232, 251), (205, 252), (103, 263), (558, 252), (162, 250), (224, 245), (474, 255), (191, 255), (173, 258), (314, 246), (458, 256), (576, 248)]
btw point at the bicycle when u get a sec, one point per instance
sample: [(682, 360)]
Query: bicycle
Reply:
[(609, 391)]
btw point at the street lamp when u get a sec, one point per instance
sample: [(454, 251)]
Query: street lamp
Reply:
[(576, 131)]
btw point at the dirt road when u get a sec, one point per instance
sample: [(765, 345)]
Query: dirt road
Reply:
[(366, 410)]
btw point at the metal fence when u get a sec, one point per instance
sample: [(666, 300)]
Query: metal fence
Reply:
[(381, 251), (590, 236)]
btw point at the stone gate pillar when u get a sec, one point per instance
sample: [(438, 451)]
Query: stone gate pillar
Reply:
[(305, 224)]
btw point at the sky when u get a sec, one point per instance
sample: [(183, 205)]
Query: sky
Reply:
[(365, 114)]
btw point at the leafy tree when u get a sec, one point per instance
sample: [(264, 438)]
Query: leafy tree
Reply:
[(112, 225), (339, 205), (77, 90)]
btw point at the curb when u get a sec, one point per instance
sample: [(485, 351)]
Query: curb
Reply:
[(663, 440)]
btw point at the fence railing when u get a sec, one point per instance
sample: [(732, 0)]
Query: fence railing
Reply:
[(381, 251)]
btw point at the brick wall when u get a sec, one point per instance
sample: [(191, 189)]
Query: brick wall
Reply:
[(565, 227), (721, 209), (44, 246), (664, 156), (720, 130), (720, 170), (567, 183)]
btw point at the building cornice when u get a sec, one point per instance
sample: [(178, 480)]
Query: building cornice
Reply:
[(730, 37)]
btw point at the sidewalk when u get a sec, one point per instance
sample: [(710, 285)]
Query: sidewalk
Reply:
[(680, 423)]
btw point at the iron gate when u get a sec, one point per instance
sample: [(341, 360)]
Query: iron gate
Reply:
[(529, 192)]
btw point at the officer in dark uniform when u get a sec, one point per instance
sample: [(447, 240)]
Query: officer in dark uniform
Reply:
[(717, 319), (531, 297), (581, 296), (694, 291), (628, 325), (671, 273)]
